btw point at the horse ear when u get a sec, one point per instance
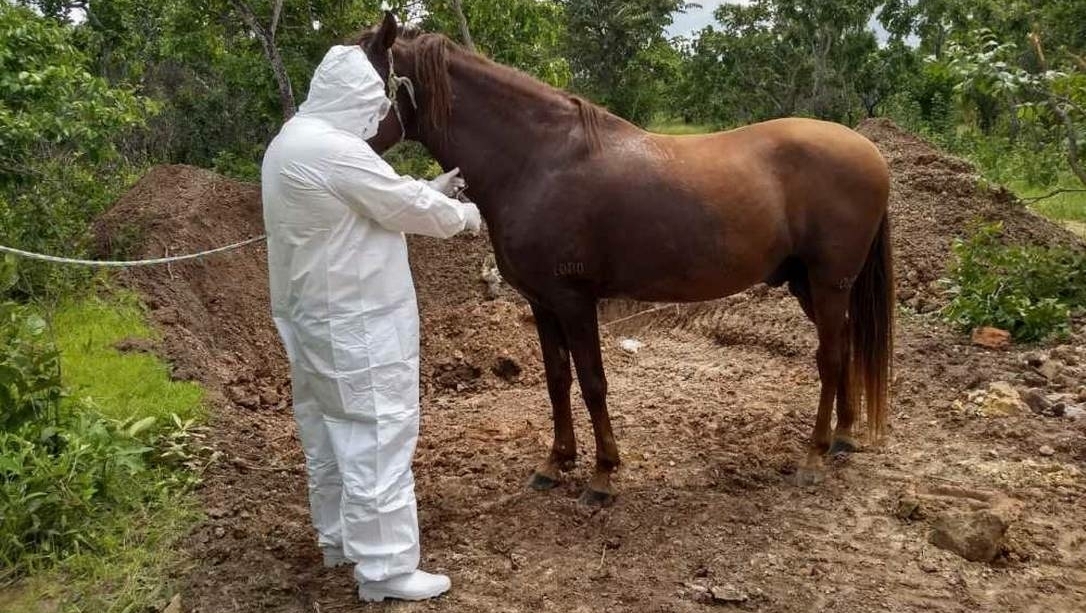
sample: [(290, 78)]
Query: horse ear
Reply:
[(386, 33)]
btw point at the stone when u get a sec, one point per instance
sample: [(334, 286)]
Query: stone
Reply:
[(926, 306), (1037, 401), (269, 397), (630, 345), (1046, 450), (727, 594), (174, 606), (991, 338), (1050, 369), (976, 536), (1001, 399), (908, 508)]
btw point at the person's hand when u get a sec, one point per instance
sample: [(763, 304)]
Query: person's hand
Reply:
[(473, 222), (450, 183)]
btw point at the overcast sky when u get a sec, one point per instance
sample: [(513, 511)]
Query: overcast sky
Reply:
[(696, 19)]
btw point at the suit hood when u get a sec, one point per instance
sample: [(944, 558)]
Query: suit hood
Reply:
[(347, 92)]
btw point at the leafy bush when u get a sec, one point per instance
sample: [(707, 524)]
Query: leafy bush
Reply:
[(65, 470), (59, 165), (57, 480), (1029, 291), (30, 387)]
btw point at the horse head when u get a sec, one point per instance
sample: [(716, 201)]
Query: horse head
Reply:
[(413, 65)]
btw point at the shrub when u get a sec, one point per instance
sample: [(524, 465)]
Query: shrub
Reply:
[(66, 472), (1029, 291), (59, 164)]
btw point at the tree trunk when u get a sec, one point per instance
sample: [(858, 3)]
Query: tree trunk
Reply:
[(465, 33), (1064, 116), (271, 51)]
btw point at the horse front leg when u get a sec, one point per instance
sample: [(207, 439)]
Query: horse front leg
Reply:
[(563, 455), (583, 335)]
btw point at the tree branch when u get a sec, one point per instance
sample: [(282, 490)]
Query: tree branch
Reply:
[(271, 51), (465, 33), (1068, 124), (1051, 194), (277, 11)]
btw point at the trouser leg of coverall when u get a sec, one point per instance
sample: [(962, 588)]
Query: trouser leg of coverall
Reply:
[(379, 516), (325, 483)]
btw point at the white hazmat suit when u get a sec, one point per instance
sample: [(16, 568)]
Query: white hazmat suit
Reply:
[(343, 301)]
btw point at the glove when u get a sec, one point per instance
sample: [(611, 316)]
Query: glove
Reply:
[(449, 184), (473, 222)]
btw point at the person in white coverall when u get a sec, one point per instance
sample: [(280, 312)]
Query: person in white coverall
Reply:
[(343, 301)]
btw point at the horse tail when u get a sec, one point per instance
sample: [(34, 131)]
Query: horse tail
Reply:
[(871, 332)]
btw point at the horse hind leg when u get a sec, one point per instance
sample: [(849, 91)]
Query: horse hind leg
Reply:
[(843, 441), (829, 307)]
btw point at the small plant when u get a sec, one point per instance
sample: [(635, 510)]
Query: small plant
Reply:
[(1029, 291), (67, 471)]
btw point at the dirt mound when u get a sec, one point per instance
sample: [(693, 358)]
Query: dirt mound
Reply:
[(936, 198), (215, 311), (709, 413)]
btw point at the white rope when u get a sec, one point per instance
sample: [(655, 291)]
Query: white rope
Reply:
[(395, 82), (125, 263)]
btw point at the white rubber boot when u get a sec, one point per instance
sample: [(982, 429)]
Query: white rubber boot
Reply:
[(334, 557), (418, 585)]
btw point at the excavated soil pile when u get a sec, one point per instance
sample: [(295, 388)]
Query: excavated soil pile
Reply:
[(984, 460), (937, 198)]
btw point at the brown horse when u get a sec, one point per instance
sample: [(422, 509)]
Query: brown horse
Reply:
[(582, 205)]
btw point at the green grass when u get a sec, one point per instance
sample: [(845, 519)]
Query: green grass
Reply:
[(122, 385), (137, 555), (679, 128), (134, 572), (1068, 206)]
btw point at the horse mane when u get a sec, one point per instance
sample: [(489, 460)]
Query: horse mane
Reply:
[(432, 70)]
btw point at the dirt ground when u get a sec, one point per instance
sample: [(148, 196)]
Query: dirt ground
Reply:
[(711, 417)]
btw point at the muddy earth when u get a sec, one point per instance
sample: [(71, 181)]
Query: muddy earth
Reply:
[(984, 460)]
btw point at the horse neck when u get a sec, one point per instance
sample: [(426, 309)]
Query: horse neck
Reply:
[(500, 133)]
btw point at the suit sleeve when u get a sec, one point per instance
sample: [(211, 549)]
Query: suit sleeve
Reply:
[(366, 183)]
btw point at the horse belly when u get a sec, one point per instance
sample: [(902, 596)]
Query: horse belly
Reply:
[(691, 262)]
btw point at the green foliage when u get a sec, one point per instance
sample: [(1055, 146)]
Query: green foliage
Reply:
[(48, 98), (30, 389), (69, 469), (526, 34), (771, 58), (124, 386), (1029, 291), (413, 160), (619, 54), (59, 125)]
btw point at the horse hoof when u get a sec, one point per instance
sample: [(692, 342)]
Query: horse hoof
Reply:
[(595, 499), (844, 444), (541, 483), (806, 477)]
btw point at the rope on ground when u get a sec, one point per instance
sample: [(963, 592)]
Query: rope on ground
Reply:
[(645, 312), (126, 263)]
